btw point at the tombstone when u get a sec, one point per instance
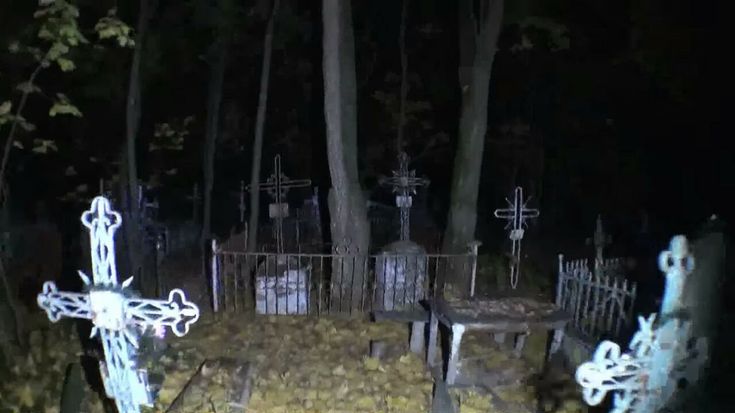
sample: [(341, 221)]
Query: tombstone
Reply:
[(661, 354), (400, 276), (282, 286), (119, 317)]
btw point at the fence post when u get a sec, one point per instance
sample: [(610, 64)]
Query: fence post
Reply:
[(473, 246), (215, 278), (559, 281)]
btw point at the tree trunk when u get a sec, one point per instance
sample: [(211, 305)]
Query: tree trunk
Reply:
[(133, 233), (347, 207), (400, 141), (259, 127), (214, 100), (479, 29)]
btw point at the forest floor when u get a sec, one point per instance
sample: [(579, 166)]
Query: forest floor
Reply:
[(298, 364)]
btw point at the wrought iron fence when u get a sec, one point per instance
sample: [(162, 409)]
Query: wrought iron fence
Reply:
[(600, 302), (320, 284)]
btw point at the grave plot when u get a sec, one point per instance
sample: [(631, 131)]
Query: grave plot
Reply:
[(300, 364)]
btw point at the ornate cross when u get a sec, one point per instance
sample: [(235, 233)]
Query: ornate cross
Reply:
[(277, 186), (404, 183), (119, 317), (645, 378), (516, 214)]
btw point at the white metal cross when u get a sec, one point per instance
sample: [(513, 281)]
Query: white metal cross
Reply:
[(277, 186), (516, 214), (119, 317), (645, 378), (404, 183)]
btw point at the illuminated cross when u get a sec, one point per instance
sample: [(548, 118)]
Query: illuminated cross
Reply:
[(277, 186), (645, 378), (119, 317), (404, 183), (516, 214)]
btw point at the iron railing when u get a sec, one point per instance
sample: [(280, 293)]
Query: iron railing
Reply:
[(600, 302), (318, 284)]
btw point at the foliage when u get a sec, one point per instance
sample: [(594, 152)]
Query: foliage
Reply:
[(170, 135), (60, 35)]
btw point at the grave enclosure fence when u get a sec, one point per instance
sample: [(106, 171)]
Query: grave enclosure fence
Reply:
[(322, 284), (600, 302)]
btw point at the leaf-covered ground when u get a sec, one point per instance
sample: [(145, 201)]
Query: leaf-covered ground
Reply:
[(302, 364)]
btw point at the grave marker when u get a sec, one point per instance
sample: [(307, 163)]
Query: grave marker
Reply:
[(119, 317), (277, 186), (404, 184), (516, 214), (645, 378)]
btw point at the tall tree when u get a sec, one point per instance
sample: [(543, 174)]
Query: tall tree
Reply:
[(217, 60), (349, 225), (132, 125), (259, 130), (479, 28)]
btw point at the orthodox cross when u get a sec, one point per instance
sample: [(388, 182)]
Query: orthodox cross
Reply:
[(516, 214), (645, 378), (119, 317), (404, 183), (277, 186)]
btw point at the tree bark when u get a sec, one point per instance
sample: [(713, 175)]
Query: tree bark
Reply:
[(347, 207), (259, 128), (132, 124), (479, 30), (218, 54)]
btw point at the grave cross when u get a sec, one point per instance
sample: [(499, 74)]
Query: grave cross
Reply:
[(277, 186), (516, 214), (404, 183), (645, 378), (601, 239), (119, 317)]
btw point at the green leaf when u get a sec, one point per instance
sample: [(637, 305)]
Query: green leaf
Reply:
[(5, 107), (65, 64), (64, 107)]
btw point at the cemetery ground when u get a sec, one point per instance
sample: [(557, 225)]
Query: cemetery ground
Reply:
[(269, 364)]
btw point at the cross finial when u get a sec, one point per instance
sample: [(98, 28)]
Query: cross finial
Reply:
[(102, 223)]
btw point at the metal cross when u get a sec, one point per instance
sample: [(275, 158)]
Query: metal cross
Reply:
[(601, 239), (645, 378), (119, 317), (516, 214), (277, 186), (404, 183)]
